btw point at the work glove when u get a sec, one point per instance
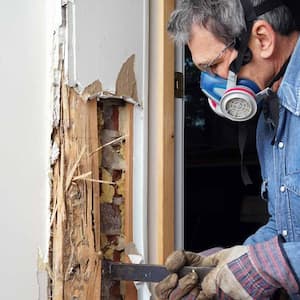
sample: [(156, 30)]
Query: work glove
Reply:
[(249, 272), (241, 273), (187, 287)]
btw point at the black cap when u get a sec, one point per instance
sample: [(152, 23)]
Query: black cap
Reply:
[(294, 6)]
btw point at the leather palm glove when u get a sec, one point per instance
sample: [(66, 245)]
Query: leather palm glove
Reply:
[(188, 286), (240, 272), (248, 272)]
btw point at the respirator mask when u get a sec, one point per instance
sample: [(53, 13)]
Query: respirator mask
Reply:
[(235, 98), (238, 103)]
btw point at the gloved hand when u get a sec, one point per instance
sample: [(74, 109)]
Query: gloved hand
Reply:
[(241, 272), (186, 287), (248, 272)]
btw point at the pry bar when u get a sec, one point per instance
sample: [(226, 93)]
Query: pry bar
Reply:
[(117, 271)]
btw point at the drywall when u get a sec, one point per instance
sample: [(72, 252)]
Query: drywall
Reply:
[(107, 33), (24, 116)]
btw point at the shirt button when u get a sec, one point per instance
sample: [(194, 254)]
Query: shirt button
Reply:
[(282, 189), (284, 232), (280, 145)]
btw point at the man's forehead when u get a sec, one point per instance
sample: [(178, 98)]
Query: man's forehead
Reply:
[(202, 39)]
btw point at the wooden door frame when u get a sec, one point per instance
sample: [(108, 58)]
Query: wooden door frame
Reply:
[(166, 232), (161, 126)]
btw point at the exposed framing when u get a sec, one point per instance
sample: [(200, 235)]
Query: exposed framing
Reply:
[(75, 221), (75, 247)]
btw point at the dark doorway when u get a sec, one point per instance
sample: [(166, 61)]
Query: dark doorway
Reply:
[(219, 209)]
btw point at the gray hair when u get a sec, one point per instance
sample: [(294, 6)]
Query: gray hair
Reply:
[(224, 18)]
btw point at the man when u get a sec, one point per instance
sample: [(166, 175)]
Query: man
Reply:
[(249, 55)]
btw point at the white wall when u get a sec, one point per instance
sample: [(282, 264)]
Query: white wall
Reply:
[(107, 33), (24, 128)]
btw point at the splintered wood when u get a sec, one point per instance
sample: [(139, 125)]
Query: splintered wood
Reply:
[(75, 221), (91, 180)]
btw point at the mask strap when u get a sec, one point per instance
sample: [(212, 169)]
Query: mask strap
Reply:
[(280, 73), (242, 42), (270, 106), (266, 6)]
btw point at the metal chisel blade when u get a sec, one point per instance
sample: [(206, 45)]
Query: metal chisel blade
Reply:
[(144, 272)]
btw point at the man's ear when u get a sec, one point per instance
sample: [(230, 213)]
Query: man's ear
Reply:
[(263, 38)]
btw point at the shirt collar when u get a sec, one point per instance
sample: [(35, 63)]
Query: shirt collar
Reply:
[(289, 90)]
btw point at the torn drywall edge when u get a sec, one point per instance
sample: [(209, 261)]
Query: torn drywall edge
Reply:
[(126, 81), (126, 88)]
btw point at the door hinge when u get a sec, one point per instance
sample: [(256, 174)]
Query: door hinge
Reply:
[(178, 85)]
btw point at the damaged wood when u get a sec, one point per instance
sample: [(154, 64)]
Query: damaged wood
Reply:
[(91, 189), (76, 255)]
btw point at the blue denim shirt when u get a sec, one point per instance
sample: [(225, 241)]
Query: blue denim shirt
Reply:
[(280, 166)]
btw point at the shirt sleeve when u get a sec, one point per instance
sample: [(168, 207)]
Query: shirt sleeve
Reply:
[(264, 268)]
